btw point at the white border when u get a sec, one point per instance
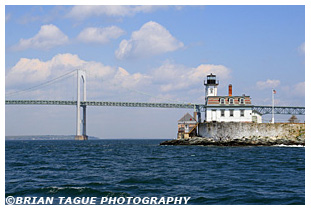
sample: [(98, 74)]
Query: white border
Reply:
[(307, 4)]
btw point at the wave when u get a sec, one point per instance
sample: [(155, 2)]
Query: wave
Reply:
[(57, 191), (284, 145)]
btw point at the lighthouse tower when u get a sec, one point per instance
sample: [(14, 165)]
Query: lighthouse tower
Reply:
[(210, 86)]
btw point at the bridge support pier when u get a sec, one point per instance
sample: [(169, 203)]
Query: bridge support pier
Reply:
[(83, 136), (84, 123), (79, 136)]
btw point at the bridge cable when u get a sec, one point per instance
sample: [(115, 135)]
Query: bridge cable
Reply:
[(154, 96), (136, 91), (64, 76)]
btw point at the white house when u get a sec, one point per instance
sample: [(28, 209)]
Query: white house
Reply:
[(227, 108)]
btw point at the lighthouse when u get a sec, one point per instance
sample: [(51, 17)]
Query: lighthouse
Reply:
[(210, 86)]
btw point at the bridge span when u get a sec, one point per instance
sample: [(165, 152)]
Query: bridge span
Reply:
[(197, 107)]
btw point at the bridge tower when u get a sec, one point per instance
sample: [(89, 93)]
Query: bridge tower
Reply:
[(81, 75)]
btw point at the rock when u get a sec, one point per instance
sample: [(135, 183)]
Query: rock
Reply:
[(234, 142)]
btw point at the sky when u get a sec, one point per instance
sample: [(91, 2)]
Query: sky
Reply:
[(147, 54)]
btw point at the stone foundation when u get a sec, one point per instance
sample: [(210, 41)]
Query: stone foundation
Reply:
[(240, 130), (245, 134)]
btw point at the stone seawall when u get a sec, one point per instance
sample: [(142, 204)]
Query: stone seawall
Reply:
[(239, 130), (245, 134)]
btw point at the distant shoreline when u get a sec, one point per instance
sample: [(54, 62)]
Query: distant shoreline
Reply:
[(70, 137), (45, 137)]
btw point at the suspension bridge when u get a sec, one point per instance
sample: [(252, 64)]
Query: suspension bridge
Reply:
[(81, 75)]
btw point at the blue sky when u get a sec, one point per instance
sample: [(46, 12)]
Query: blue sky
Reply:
[(164, 51)]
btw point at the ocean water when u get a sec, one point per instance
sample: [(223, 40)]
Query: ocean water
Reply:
[(140, 168)]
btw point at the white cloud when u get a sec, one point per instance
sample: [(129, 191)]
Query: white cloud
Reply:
[(82, 12), (31, 72), (48, 37), (110, 83), (147, 8), (204, 69), (299, 89), (28, 71), (151, 39), (292, 94), (301, 48), (7, 17), (125, 79), (38, 13), (66, 60), (268, 84), (173, 77), (100, 35)]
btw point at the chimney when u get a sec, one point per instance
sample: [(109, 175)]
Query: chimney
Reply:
[(230, 90)]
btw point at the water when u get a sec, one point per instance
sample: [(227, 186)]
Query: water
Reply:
[(139, 168)]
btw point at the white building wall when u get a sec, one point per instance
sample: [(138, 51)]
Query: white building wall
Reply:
[(215, 115), (211, 91), (258, 116)]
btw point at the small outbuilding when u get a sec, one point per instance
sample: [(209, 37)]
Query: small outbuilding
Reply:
[(187, 127)]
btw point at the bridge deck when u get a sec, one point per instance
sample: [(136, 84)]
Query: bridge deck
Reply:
[(261, 109)]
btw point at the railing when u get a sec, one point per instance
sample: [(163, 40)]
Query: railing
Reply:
[(280, 110), (199, 107)]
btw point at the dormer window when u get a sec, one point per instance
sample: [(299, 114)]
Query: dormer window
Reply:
[(242, 101), (222, 101), (231, 101)]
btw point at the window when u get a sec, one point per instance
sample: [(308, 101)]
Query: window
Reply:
[(231, 112), (222, 112), (230, 100), (242, 112), (222, 101), (241, 100), (211, 90)]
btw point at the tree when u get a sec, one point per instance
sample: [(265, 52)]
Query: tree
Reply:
[(293, 119)]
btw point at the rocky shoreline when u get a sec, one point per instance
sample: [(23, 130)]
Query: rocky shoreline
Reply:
[(235, 142)]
